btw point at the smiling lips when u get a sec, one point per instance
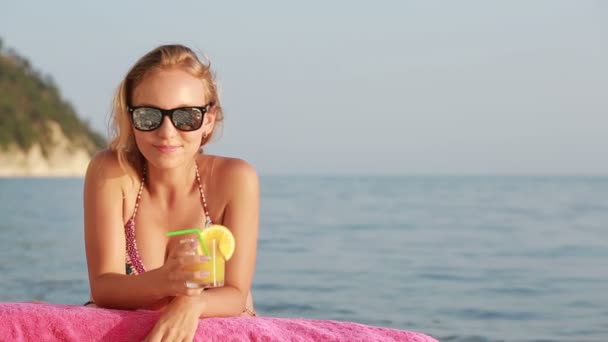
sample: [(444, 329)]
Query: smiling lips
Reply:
[(167, 148)]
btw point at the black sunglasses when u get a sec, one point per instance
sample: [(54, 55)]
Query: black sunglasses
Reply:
[(147, 118)]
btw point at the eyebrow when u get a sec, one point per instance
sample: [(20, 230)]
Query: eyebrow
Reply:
[(179, 106)]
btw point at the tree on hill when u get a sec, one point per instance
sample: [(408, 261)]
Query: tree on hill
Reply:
[(30, 101)]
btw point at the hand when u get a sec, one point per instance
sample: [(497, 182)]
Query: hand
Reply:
[(178, 322), (175, 273)]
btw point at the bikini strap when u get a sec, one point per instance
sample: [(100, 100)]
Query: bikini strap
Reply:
[(141, 189), (203, 199)]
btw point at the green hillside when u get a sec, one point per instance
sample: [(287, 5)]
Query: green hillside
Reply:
[(29, 101)]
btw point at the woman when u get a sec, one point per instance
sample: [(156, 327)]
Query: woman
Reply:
[(154, 179)]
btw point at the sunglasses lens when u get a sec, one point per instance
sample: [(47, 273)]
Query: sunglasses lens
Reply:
[(147, 119), (188, 119)]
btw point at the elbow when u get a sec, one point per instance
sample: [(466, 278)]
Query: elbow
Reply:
[(233, 302), (98, 295), (241, 295), (241, 302)]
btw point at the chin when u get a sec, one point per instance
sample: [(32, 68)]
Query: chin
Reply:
[(164, 164), (170, 160)]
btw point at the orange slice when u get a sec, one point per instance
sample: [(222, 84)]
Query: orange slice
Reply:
[(223, 236)]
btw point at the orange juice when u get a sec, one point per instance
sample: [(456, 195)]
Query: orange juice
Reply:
[(215, 267), (217, 242)]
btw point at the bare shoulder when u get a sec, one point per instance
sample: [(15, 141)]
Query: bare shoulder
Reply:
[(233, 174), (104, 169), (235, 168)]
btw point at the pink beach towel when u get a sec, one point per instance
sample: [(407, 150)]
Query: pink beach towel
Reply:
[(54, 322)]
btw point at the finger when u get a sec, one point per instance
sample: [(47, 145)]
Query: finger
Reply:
[(170, 336), (179, 277), (188, 288), (191, 260), (188, 338), (189, 292), (192, 333), (179, 262), (184, 247), (195, 277), (194, 292), (190, 280), (153, 336)]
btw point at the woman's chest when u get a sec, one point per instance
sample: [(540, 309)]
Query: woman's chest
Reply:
[(152, 223)]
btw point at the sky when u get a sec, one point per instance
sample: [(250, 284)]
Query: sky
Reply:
[(352, 87)]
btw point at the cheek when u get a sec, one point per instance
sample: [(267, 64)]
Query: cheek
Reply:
[(193, 138), (140, 139)]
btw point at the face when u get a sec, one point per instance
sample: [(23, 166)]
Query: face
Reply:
[(167, 147)]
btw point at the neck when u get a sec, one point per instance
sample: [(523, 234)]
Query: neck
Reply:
[(169, 184)]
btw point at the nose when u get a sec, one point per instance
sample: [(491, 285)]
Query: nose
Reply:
[(166, 129)]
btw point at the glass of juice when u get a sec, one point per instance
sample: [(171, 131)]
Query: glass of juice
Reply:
[(215, 267), (217, 242)]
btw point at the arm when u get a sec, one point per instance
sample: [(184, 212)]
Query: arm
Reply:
[(241, 216), (180, 318), (105, 240)]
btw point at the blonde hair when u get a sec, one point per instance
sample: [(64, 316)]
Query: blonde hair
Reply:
[(162, 57)]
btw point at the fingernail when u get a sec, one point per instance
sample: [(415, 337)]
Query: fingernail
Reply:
[(190, 253), (182, 241), (192, 285), (205, 258), (202, 274)]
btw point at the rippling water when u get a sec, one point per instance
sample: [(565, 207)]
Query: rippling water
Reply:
[(458, 258)]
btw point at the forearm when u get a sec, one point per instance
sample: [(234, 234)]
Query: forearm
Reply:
[(223, 301), (119, 291)]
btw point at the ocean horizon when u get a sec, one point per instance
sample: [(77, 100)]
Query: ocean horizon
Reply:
[(460, 257)]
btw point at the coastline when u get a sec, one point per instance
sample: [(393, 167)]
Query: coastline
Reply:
[(41, 176), (33, 164), (62, 159)]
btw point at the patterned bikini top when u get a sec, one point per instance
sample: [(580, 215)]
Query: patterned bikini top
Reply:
[(133, 262)]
